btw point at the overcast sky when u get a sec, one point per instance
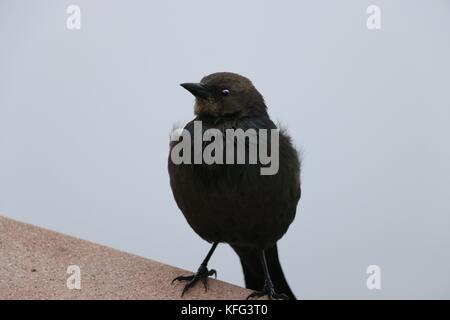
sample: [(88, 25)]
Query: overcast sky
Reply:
[(85, 117)]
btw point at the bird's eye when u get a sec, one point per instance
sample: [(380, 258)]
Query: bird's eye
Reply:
[(225, 92)]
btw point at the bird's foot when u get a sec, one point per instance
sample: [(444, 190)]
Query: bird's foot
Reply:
[(269, 292), (202, 275)]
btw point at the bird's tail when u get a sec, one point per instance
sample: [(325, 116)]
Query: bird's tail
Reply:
[(253, 270)]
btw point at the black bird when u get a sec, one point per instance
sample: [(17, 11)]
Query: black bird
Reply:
[(235, 203)]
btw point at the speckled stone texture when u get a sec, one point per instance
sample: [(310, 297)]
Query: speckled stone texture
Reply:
[(34, 262)]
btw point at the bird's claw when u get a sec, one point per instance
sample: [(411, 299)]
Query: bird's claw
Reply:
[(269, 292), (202, 274)]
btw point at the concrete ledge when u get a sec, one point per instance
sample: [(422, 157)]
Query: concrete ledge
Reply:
[(34, 262)]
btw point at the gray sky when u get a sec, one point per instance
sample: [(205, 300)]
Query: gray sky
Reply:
[(85, 117)]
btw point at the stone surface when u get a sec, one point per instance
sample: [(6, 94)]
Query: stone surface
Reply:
[(34, 263)]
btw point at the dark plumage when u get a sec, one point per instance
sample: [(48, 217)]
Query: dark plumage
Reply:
[(234, 203)]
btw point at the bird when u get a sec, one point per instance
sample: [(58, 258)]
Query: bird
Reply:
[(233, 203)]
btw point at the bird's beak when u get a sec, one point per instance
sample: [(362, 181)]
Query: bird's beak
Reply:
[(197, 89)]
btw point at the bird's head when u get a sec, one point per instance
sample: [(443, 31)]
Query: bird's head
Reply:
[(226, 94)]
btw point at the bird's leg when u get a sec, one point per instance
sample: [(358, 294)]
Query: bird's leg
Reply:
[(202, 273), (268, 289)]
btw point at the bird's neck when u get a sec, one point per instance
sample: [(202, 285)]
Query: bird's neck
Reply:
[(260, 112)]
